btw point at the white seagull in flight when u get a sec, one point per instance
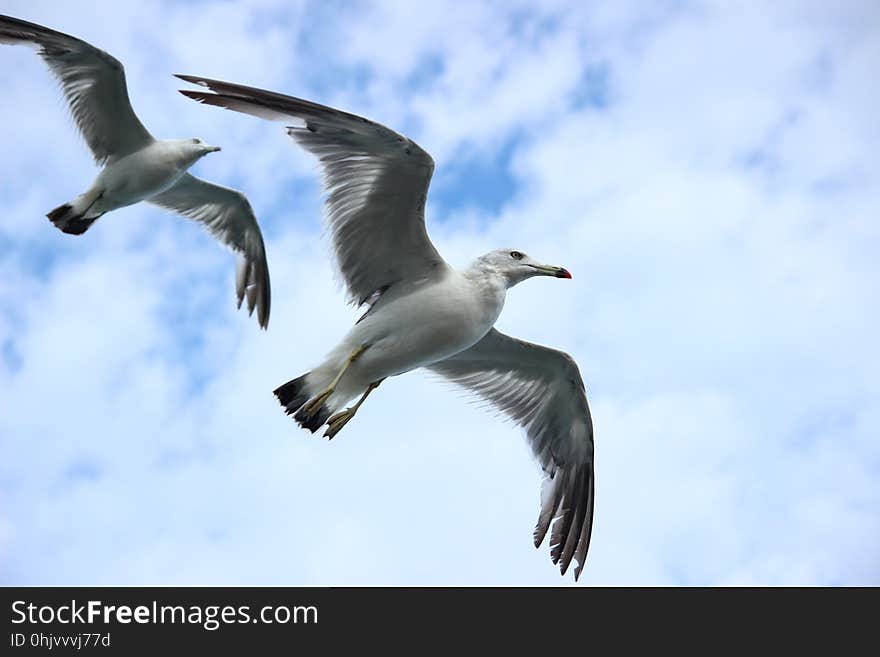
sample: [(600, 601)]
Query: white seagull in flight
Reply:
[(138, 167), (424, 313)]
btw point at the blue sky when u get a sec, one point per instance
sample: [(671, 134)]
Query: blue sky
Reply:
[(708, 174)]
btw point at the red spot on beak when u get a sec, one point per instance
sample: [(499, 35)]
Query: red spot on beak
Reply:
[(563, 273)]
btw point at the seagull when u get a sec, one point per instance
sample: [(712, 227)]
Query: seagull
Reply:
[(423, 313), (136, 166)]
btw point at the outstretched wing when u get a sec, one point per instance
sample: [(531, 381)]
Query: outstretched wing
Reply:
[(542, 390), (93, 83), (228, 215), (376, 182)]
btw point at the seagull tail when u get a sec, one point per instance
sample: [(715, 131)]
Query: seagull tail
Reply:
[(293, 394), (318, 394), (75, 218)]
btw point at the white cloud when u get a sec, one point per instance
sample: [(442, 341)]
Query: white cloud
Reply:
[(718, 216)]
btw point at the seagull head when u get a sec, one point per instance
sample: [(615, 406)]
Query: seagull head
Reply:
[(515, 266), (197, 148)]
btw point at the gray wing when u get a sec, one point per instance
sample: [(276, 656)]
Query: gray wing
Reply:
[(541, 389), (93, 83), (227, 214), (376, 182)]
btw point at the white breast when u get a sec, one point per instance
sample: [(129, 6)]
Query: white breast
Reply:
[(142, 174), (428, 325)]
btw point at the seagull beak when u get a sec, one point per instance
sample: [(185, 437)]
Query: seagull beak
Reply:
[(549, 270), (214, 149)]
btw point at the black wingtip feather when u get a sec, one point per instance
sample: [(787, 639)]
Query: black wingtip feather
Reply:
[(189, 78), (571, 517), (579, 513), (265, 304), (587, 532), (195, 95)]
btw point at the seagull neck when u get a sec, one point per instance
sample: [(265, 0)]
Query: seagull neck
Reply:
[(487, 278)]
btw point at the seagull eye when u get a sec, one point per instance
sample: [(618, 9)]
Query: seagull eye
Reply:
[(195, 141), (516, 255)]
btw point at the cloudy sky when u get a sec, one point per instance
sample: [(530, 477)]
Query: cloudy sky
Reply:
[(708, 173)]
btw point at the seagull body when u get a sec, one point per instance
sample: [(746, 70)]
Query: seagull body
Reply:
[(443, 317), (136, 177), (422, 312), (136, 166)]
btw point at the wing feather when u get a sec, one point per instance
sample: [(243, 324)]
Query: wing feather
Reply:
[(376, 184), (93, 83), (542, 390), (227, 214)]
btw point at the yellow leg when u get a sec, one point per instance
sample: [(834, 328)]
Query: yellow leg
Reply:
[(340, 419), (319, 399)]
